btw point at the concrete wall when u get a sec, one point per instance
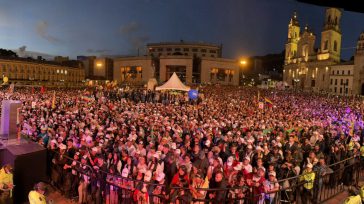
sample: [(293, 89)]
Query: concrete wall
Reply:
[(207, 64), (144, 62), (176, 60)]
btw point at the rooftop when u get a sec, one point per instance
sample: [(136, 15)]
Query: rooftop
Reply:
[(69, 63), (183, 43)]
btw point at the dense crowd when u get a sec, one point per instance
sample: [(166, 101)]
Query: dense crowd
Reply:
[(163, 146)]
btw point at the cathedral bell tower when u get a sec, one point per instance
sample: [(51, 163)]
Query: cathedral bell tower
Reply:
[(293, 38), (330, 47)]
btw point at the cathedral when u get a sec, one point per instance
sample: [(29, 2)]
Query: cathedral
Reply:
[(320, 69)]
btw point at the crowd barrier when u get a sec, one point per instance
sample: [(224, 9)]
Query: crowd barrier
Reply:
[(124, 190)]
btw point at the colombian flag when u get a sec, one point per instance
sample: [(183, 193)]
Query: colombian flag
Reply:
[(268, 101)]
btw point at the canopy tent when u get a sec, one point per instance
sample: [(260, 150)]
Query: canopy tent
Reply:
[(174, 83)]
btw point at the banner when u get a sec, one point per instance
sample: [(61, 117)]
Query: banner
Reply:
[(261, 105)]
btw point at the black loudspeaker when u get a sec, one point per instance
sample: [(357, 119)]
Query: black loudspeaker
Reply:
[(29, 162)]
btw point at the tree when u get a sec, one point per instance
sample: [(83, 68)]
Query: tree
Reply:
[(7, 53)]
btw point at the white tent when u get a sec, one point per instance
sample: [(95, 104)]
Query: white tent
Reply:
[(174, 83)]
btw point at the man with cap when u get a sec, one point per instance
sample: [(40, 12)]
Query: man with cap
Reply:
[(308, 179), (270, 187), (37, 196), (6, 183), (60, 161)]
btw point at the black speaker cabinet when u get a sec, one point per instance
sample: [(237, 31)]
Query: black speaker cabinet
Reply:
[(29, 162)]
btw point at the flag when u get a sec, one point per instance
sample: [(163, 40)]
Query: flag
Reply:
[(54, 100), (268, 101), (42, 90)]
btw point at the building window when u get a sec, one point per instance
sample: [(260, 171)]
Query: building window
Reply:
[(335, 82), (186, 54), (323, 77), (169, 49), (186, 49), (333, 72), (335, 89), (341, 90), (347, 82), (160, 49), (203, 50), (203, 55), (212, 51), (313, 83), (343, 72), (348, 72), (168, 53), (177, 49), (335, 46), (337, 72), (331, 82), (212, 55), (341, 82), (346, 90), (326, 45), (194, 50)]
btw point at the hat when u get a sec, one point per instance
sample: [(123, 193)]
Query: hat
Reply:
[(62, 146), (160, 176), (148, 176), (238, 167), (230, 161), (309, 166), (272, 173), (125, 172)]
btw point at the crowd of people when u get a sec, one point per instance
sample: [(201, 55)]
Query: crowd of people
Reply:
[(118, 146)]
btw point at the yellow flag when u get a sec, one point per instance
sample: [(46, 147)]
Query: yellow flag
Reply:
[(54, 100)]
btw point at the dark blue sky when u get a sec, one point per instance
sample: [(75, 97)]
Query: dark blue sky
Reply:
[(94, 27)]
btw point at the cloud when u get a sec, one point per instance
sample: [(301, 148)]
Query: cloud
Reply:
[(42, 31), (97, 51), (135, 35)]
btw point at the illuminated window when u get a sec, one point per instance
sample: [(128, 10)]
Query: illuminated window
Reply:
[(61, 71), (57, 71), (65, 71)]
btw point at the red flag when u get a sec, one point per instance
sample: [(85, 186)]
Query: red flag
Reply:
[(42, 90)]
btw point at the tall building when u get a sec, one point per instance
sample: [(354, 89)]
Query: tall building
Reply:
[(194, 63), (97, 68), (322, 69), (308, 68)]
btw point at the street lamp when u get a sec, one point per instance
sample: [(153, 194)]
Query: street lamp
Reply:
[(242, 63)]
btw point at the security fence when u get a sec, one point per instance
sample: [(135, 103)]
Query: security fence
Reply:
[(117, 189)]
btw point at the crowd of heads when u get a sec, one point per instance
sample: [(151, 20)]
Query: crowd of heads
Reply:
[(223, 137)]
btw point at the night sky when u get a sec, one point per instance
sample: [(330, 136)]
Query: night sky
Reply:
[(119, 27)]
